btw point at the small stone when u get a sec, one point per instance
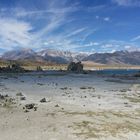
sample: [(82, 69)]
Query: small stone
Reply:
[(57, 105), (26, 111), (125, 103), (22, 98), (6, 95), (99, 97), (29, 106), (35, 108), (43, 100), (19, 94)]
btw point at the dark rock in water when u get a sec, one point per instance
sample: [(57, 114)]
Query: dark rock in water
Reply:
[(43, 100), (39, 69), (30, 106), (75, 67), (14, 68), (137, 75)]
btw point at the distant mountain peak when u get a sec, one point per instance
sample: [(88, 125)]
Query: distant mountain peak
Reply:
[(61, 57)]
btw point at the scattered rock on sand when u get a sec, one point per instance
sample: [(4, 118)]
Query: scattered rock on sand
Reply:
[(57, 105), (26, 110), (30, 106), (23, 98), (35, 108), (6, 101), (19, 94), (43, 100), (2, 97)]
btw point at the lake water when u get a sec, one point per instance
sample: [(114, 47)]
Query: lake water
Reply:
[(119, 71), (60, 73)]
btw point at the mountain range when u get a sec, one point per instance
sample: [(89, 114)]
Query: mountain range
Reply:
[(63, 57)]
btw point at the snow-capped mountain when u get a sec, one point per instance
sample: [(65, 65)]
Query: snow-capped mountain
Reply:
[(63, 57)]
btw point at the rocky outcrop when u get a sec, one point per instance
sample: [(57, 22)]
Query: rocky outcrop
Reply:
[(14, 68), (39, 69), (75, 67)]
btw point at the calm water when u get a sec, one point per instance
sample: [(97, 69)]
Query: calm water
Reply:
[(119, 72), (60, 73)]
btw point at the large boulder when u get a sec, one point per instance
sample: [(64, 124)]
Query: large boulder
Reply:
[(75, 67)]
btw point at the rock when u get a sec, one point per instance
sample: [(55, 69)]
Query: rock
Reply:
[(11, 100), (137, 74), (35, 108), (22, 98), (19, 94), (14, 68), (57, 105), (75, 67), (43, 100), (26, 111), (1, 97), (6, 95), (39, 69), (30, 106)]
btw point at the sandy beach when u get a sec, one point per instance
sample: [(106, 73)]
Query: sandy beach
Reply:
[(77, 107)]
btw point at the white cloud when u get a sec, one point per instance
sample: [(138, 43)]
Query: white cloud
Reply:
[(107, 46), (129, 3), (92, 44), (14, 33), (75, 32), (136, 38), (17, 27), (112, 51), (131, 48), (107, 19), (97, 17), (127, 47), (102, 18)]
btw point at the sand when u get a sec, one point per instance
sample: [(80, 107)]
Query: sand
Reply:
[(78, 107)]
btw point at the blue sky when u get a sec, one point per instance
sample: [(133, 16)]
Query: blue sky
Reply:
[(75, 25)]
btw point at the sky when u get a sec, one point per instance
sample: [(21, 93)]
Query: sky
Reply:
[(71, 25)]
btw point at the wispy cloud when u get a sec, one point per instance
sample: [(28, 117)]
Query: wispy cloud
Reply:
[(75, 32), (107, 19), (136, 38), (92, 44), (130, 3), (14, 33), (103, 18), (62, 25)]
